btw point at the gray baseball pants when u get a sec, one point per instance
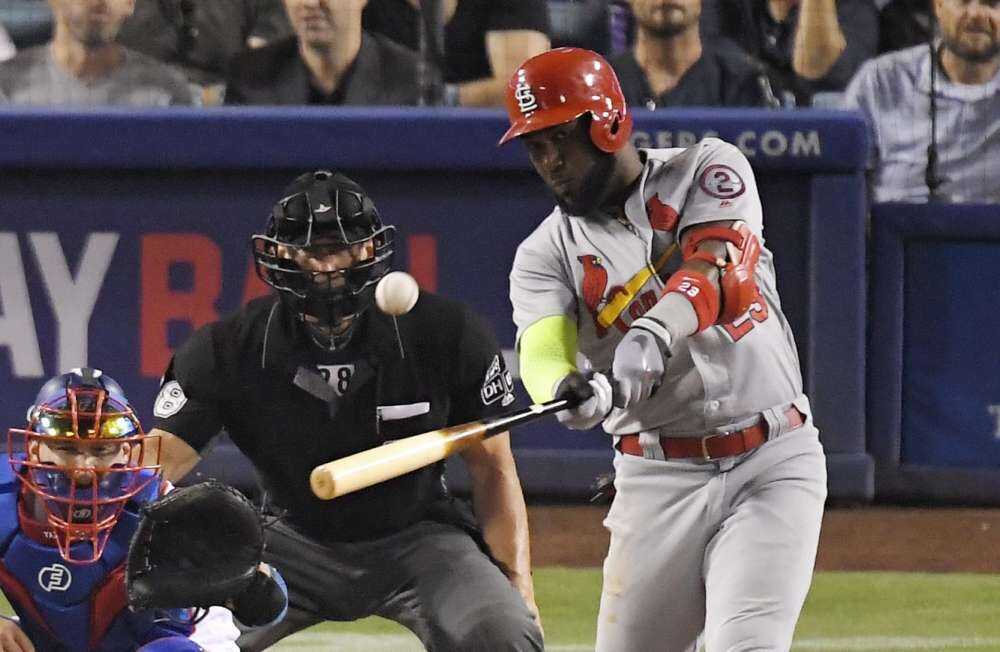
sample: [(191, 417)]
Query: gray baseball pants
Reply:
[(725, 547), (431, 577)]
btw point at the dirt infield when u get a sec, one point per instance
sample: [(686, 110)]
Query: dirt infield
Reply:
[(862, 538)]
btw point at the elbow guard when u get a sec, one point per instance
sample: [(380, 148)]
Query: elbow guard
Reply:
[(737, 280)]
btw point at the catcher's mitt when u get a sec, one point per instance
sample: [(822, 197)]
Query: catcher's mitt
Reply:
[(196, 546)]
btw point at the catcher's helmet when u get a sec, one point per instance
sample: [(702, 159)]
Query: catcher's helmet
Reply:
[(561, 85), (82, 456), (324, 214)]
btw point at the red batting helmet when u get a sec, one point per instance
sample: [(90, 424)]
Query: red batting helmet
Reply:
[(561, 85)]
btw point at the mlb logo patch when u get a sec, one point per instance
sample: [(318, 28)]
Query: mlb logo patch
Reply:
[(498, 385)]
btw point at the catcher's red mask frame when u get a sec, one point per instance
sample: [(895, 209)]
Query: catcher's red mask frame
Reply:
[(80, 459)]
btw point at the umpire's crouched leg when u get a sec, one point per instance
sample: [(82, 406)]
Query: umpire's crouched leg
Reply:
[(455, 599)]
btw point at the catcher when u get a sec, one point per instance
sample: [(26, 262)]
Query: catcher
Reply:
[(82, 478)]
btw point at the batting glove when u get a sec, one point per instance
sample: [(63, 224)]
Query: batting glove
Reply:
[(594, 395), (639, 362)]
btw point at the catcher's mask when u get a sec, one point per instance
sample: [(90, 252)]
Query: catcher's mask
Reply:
[(324, 249), (82, 456)]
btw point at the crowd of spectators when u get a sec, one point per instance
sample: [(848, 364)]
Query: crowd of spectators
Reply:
[(329, 59), (83, 64), (202, 37), (807, 46), (897, 61), (670, 64)]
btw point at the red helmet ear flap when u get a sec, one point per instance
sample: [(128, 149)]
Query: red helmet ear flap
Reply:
[(611, 135)]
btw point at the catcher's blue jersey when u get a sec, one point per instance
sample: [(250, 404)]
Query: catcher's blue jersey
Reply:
[(65, 607)]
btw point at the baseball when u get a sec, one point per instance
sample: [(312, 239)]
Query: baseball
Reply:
[(396, 293)]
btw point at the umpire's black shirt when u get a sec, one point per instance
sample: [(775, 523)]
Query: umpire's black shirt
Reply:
[(256, 375)]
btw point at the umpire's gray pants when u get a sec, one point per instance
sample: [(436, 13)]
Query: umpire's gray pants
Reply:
[(431, 578)]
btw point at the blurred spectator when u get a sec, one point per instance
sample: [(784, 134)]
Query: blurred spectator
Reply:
[(899, 93), (84, 66), (201, 37), (7, 49), (28, 22), (329, 60), (484, 41), (580, 24), (669, 65), (808, 45), (904, 23)]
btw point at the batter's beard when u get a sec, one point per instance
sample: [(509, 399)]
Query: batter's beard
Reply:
[(593, 188)]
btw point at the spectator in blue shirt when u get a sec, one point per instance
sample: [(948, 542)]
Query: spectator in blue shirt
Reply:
[(959, 80)]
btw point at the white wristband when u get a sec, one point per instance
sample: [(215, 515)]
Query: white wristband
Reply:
[(674, 313), (657, 329)]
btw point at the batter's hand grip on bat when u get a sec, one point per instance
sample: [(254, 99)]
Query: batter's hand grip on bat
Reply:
[(375, 465)]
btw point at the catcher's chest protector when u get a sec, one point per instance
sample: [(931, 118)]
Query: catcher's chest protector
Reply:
[(55, 600)]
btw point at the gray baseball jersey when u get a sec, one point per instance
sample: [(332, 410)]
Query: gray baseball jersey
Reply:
[(724, 547), (588, 269)]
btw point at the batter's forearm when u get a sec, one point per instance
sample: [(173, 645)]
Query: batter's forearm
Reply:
[(819, 41), (673, 313), (547, 354)]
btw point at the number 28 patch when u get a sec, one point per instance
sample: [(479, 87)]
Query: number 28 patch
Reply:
[(498, 385), (337, 376)]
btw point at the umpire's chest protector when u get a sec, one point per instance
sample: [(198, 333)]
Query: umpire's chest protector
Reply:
[(381, 387)]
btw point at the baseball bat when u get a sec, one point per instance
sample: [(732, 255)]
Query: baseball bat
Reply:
[(399, 457)]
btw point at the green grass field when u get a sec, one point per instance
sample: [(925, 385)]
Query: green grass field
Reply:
[(877, 612)]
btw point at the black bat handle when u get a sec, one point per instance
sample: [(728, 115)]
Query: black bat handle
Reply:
[(504, 422)]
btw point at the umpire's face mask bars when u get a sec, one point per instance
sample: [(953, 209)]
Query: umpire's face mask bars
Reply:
[(325, 268)]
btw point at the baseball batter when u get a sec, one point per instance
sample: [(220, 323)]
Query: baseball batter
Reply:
[(652, 269)]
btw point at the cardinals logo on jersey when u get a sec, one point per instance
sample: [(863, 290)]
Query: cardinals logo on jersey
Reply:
[(662, 217), (597, 297)]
